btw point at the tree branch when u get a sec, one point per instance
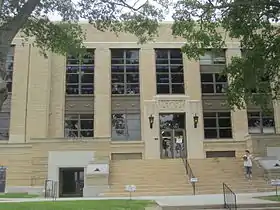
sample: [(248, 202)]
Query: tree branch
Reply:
[(12, 27)]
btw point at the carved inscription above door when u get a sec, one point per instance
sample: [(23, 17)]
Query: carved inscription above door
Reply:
[(171, 105)]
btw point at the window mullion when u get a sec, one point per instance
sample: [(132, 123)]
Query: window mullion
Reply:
[(169, 72)]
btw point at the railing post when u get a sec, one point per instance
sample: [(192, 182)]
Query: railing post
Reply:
[(224, 192)]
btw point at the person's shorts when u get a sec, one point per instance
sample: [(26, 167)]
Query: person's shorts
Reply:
[(248, 169)]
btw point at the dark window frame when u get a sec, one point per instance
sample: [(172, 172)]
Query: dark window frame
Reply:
[(261, 118), (125, 63), (177, 62), (214, 83), (217, 127), (214, 59), (124, 131), (77, 131), (78, 62), (10, 68)]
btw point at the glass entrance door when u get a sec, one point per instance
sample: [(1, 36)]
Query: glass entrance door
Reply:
[(173, 143)]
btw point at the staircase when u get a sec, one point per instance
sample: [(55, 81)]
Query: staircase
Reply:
[(212, 172), (151, 177)]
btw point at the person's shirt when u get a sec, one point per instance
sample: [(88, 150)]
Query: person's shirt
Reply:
[(248, 160)]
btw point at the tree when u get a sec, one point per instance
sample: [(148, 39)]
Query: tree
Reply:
[(30, 18), (206, 23)]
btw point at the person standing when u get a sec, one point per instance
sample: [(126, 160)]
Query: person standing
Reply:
[(248, 164)]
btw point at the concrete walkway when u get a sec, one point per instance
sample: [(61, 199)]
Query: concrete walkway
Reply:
[(190, 200)]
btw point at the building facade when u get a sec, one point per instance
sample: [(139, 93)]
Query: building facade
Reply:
[(124, 101)]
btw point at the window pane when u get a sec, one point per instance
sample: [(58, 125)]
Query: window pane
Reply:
[(117, 78), (162, 69), (224, 114), (268, 125), (117, 89), (161, 54), (220, 78), (117, 69), (206, 77), (225, 133), (132, 78), (132, 89), (132, 56), (86, 134), (176, 61), (86, 124), (132, 68), (221, 88), (177, 69), (177, 78), (72, 69), (117, 53), (163, 89), (163, 78), (87, 69), (207, 88), (210, 122), (254, 125), (72, 89), (176, 53), (87, 78), (117, 61), (209, 114), (210, 133), (87, 89), (178, 89), (72, 78), (224, 122)]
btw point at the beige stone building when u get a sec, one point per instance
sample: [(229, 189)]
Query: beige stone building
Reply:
[(121, 101)]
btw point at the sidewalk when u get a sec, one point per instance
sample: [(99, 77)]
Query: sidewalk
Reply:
[(188, 200)]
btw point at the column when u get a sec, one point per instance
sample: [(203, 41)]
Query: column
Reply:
[(195, 136), (238, 117), (276, 107), (57, 100), (147, 93), (18, 108), (38, 99), (102, 93)]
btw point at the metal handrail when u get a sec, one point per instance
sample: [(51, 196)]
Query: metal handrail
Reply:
[(229, 198), (189, 172)]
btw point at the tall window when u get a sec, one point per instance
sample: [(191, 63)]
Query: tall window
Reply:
[(125, 71), (79, 125), (169, 71), (80, 74), (260, 122), (213, 83), (10, 68), (126, 127), (213, 57), (217, 125)]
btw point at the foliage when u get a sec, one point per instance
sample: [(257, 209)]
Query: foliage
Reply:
[(254, 23), (32, 18)]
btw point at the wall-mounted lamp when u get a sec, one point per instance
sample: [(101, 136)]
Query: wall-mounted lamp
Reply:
[(195, 121), (151, 121)]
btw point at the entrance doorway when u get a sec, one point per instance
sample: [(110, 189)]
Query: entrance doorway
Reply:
[(71, 182), (2, 179), (173, 144)]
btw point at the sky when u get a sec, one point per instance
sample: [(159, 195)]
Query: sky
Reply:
[(56, 17)]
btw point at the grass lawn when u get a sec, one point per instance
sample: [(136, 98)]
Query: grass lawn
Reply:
[(17, 195), (79, 205), (271, 198)]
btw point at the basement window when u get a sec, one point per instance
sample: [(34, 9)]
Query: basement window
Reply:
[(218, 154)]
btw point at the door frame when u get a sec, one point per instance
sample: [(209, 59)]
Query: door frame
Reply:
[(173, 142)]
